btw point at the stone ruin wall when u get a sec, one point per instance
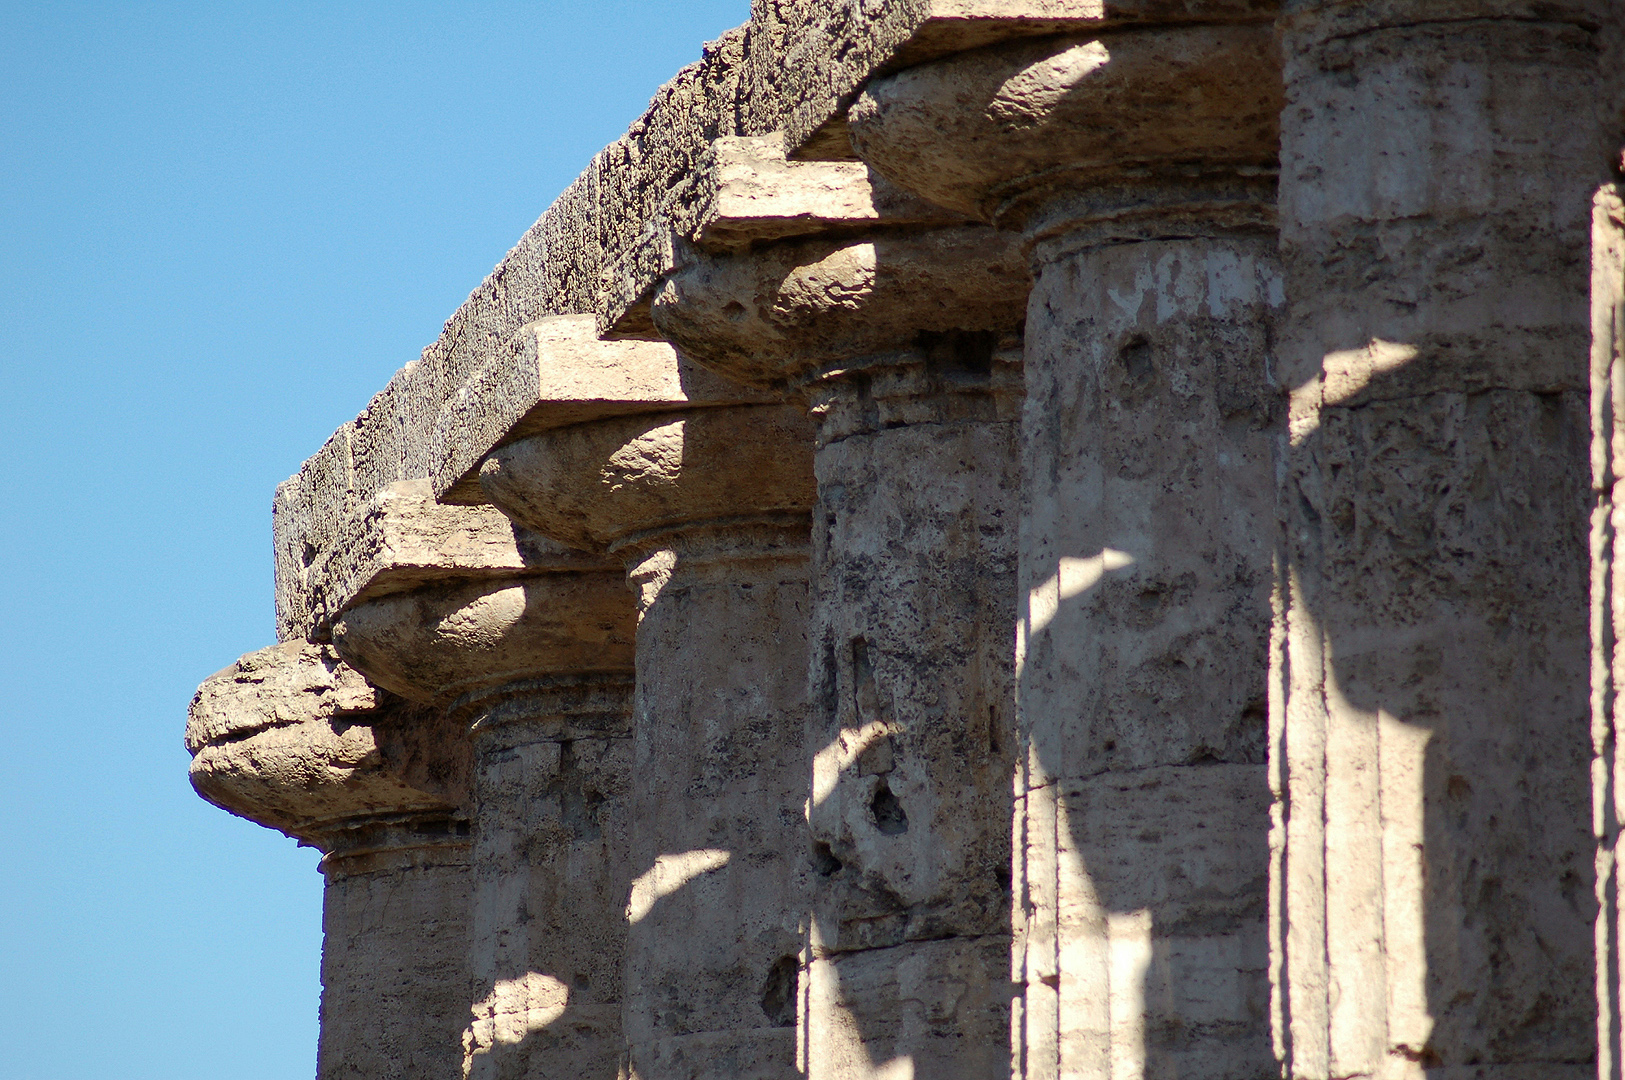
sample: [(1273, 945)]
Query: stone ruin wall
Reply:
[(1034, 539)]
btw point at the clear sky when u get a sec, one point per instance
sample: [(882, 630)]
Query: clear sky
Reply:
[(223, 226)]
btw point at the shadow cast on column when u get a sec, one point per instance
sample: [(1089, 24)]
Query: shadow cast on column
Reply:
[(1437, 722)]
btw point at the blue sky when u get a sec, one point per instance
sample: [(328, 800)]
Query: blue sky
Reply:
[(222, 228)]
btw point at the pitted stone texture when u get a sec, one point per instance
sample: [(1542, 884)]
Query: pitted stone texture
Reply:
[(1426, 240), (838, 53), (555, 373), (440, 642), (1151, 434), (779, 313), (394, 970), (716, 914), (1433, 702), (1437, 890), (404, 539), (550, 877), (912, 735), (603, 484), (946, 1004), (293, 739), (997, 133), (748, 193)]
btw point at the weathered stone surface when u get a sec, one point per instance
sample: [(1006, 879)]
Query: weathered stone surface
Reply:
[(747, 192), (291, 738), (294, 739), (557, 372), (781, 313), (999, 133), (394, 953), (892, 340), (837, 53), (1435, 646), (552, 768), (1297, 701), (1149, 458), (709, 510), (599, 486)]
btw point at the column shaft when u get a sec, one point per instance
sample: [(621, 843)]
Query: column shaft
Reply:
[(912, 729), (552, 770), (1436, 873), (394, 952), (1148, 459), (716, 916)]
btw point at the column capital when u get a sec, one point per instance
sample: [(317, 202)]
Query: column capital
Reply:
[(706, 487), (782, 315), (294, 739), (1115, 129), (434, 602)]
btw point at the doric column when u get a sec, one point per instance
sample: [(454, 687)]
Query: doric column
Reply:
[(903, 342), (1138, 165), (293, 739), (1439, 166), (532, 659), (708, 509)]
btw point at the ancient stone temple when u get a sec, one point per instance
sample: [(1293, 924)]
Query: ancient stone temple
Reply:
[(994, 540)]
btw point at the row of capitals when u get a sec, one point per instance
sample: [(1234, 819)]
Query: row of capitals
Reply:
[(625, 369)]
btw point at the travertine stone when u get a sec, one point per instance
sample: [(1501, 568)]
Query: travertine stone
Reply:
[(1137, 163), (554, 373), (395, 934), (1056, 128), (1439, 165), (781, 314), (853, 42), (709, 510), (893, 340), (403, 539), (538, 669), (292, 738), (1149, 462), (748, 192)]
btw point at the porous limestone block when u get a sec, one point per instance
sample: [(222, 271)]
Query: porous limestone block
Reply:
[(394, 963), (708, 508), (1437, 874), (551, 876), (843, 47), (1157, 954), (294, 739), (1468, 275), (934, 1010), (747, 192), (557, 372), (716, 914), (1443, 583), (403, 539)]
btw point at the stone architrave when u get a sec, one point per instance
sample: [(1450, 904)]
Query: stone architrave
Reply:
[(1138, 165), (293, 739), (525, 648), (1439, 163), (708, 509), (904, 344)]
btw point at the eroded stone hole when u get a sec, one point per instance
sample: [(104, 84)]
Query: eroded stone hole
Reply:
[(888, 811), (969, 351), (779, 992), (825, 862), (1135, 358)]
